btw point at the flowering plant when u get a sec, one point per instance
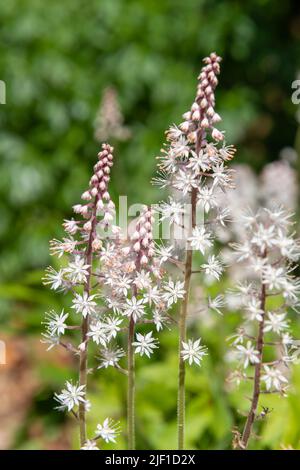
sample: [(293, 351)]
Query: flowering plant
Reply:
[(264, 343), (193, 166)]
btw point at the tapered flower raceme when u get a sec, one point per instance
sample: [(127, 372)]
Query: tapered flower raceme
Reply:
[(193, 165), (265, 343), (88, 240), (137, 292)]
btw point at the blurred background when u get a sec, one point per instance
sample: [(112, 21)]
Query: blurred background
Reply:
[(78, 73)]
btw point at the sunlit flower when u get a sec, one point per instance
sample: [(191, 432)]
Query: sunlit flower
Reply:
[(71, 396), (273, 378), (84, 304), (145, 344), (200, 239), (173, 291), (193, 351), (108, 431), (248, 354)]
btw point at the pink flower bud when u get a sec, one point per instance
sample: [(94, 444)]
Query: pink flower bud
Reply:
[(196, 115), (187, 115), (217, 135), (137, 246), (135, 236), (184, 126), (144, 260), (100, 205), (210, 112), (87, 226), (216, 118), (86, 196), (96, 244), (203, 103), (204, 123)]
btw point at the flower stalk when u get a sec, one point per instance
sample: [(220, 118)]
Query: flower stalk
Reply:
[(257, 375), (193, 166), (268, 254)]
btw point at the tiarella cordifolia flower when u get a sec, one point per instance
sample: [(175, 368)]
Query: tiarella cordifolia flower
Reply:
[(135, 290), (90, 240), (84, 304), (109, 122), (111, 357), (193, 165), (172, 210), (248, 354), (200, 239), (273, 378), (145, 344), (159, 320), (207, 198), (98, 333), (71, 396), (253, 309), (77, 270), (49, 338), (193, 351), (108, 431), (173, 291), (164, 253), (112, 326), (54, 278), (59, 248), (263, 237), (270, 251), (216, 303), (276, 322), (134, 308), (56, 323), (142, 280), (90, 445), (213, 267)]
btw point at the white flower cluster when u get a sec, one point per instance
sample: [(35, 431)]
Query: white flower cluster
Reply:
[(264, 340), (136, 288), (193, 165), (83, 247)]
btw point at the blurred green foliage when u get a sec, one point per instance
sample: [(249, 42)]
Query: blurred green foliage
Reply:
[(56, 59)]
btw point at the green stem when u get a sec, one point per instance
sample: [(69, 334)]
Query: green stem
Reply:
[(182, 330), (83, 357), (256, 387), (131, 389)]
